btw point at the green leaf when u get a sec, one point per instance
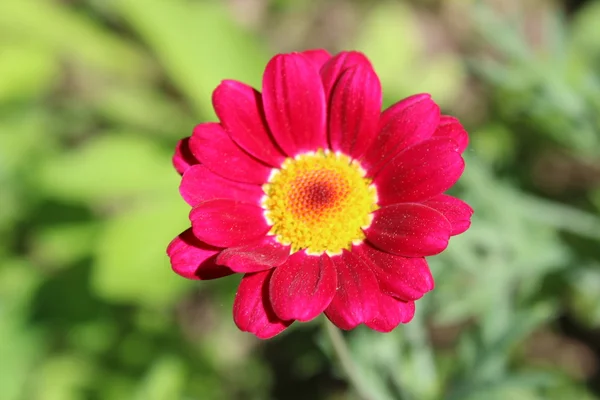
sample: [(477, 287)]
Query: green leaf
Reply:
[(26, 72), (109, 167), (390, 36), (21, 345), (143, 108), (164, 380), (63, 377), (59, 246), (197, 43), (584, 295), (55, 27), (131, 264), (586, 31)]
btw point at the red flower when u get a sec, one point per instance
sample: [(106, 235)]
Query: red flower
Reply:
[(324, 202)]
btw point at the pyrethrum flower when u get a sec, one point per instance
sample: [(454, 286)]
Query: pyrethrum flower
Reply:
[(322, 201)]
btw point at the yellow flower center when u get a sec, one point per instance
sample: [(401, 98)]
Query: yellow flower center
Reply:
[(319, 202)]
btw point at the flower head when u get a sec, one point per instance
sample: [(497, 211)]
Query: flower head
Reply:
[(322, 201)]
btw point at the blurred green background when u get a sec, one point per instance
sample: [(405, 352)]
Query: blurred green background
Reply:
[(94, 95)]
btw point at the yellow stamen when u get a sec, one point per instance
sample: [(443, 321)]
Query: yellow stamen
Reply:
[(319, 202)]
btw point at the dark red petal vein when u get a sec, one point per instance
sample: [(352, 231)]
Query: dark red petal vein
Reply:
[(455, 210), (193, 259), (303, 287), (356, 299), (240, 109), (228, 223), (420, 172), (214, 148), (252, 311), (294, 103), (404, 124), (199, 184), (354, 110), (259, 255), (409, 230)]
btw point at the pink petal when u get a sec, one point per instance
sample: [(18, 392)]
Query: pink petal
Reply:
[(402, 277), (420, 172), (228, 223), (252, 311), (356, 299), (214, 148), (193, 259), (199, 184), (302, 287), (451, 128), (337, 65), (455, 210), (404, 124), (262, 254), (240, 109), (409, 230), (354, 110), (294, 103), (183, 157), (392, 312), (317, 56)]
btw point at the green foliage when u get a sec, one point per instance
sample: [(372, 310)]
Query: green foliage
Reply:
[(93, 97)]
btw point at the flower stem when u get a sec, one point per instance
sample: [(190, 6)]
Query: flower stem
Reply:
[(345, 358)]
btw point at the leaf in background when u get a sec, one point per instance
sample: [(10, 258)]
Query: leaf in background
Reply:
[(374, 359), (109, 167), (197, 43), (21, 345), (63, 377), (60, 246), (143, 108), (26, 72), (22, 138), (164, 380), (584, 295), (55, 27), (538, 84), (494, 143), (507, 250), (585, 31), (23, 144), (20, 349), (391, 38), (131, 264)]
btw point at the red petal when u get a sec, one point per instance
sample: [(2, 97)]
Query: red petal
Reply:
[(392, 312), (337, 65), (240, 109), (455, 210), (356, 299), (409, 230), (303, 287), (451, 128), (404, 124), (228, 223), (294, 103), (403, 277), (262, 254), (354, 110), (252, 311), (183, 157), (193, 259), (199, 184), (420, 172), (317, 56), (214, 148)]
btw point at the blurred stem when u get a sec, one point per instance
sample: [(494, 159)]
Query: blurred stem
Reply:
[(345, 358)]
